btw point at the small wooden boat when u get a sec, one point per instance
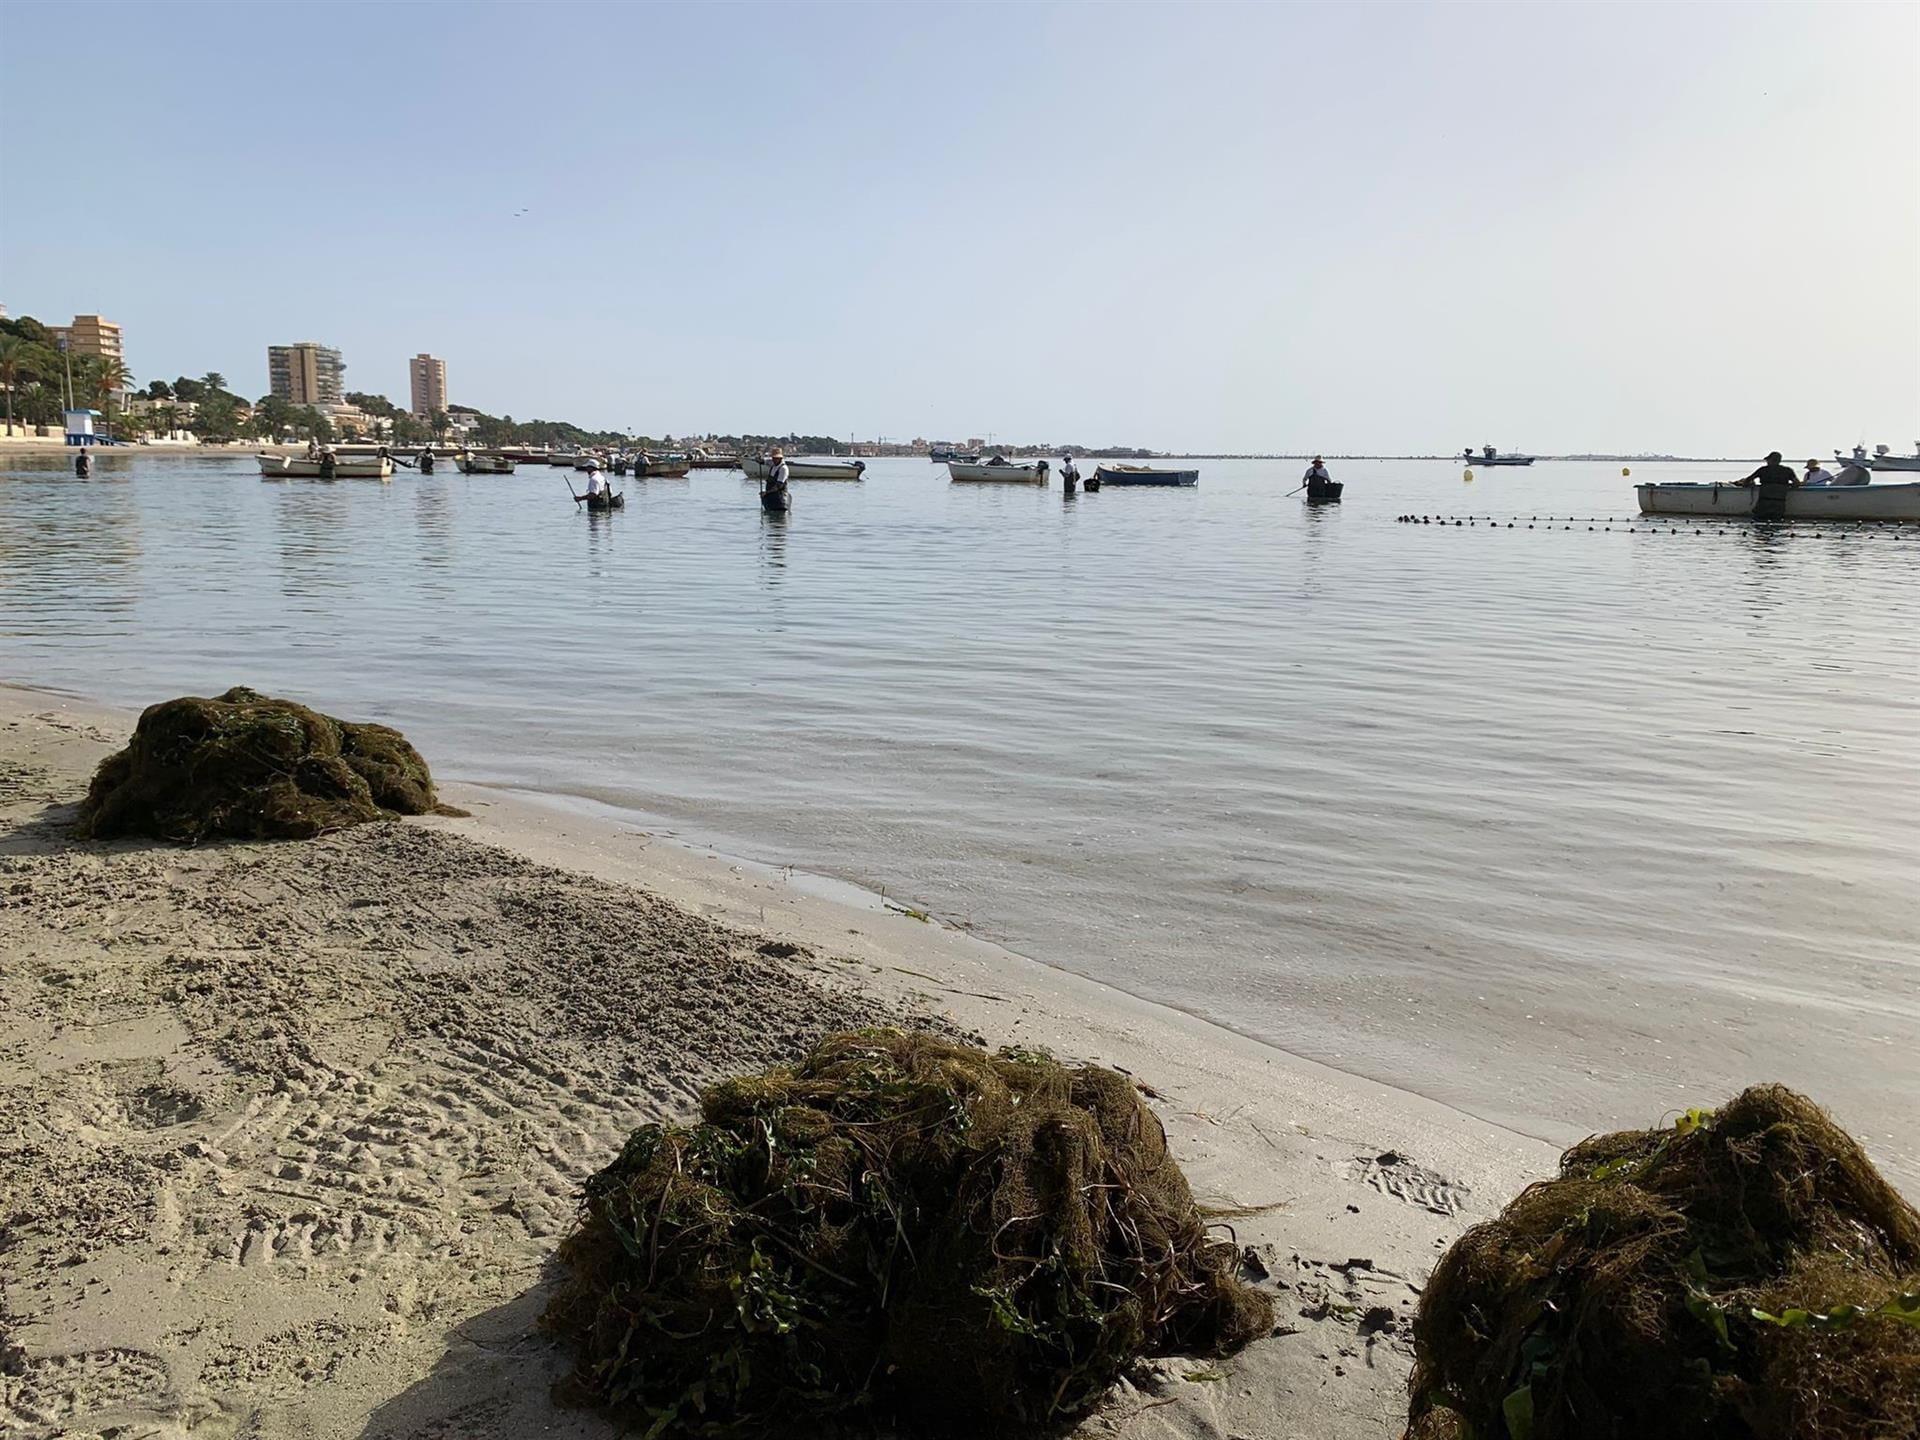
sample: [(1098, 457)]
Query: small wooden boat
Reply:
[(563, 457), (483, 464), (759, 467), (661, 467), (776, 502), (826, 469), (589, 461), (1319, 490), (1144, 475), (1899, 501), (606, 502), (1490, 456), (345, 467), (1001, 470), (715, 462)]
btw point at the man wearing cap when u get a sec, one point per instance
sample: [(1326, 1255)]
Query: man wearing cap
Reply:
[(1774, 480), (1817, 474), (776, 480)]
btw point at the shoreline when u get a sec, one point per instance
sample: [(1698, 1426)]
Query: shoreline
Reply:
[(364, 1095), (39, 447)]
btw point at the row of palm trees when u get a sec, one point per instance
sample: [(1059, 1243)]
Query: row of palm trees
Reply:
[(37, 374)]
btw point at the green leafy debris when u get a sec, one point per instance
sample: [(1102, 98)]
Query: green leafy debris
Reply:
[(1743, 1274), (899, 1229), (246, 766)]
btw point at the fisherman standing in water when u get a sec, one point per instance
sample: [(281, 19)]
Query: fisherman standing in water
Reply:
[(1069, 476), (1316, 475), (1774, 480)]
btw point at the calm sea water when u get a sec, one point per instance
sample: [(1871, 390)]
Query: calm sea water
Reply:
[(1565, 827)]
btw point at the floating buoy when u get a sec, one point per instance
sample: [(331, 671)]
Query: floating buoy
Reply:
[(1625, 470), (1467, 476)]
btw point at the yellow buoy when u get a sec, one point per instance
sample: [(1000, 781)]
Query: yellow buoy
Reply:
[(1467, 476), (1626, 469)]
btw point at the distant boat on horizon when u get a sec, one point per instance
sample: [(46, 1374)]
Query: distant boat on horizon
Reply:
[(1883, 458), (1490, 456)]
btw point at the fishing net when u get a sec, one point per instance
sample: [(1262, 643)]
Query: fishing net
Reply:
[(1747, 1273), (251, 767), (899, 1229)]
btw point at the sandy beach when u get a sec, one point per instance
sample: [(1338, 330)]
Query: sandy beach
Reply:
[(292, 1130)]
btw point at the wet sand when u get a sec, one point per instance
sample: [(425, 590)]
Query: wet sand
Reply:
[(290, 1132)]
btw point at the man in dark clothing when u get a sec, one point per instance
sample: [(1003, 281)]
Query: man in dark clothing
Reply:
[(1774, 480)]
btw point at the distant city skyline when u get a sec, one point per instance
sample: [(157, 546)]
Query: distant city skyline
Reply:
[(1391, 228)]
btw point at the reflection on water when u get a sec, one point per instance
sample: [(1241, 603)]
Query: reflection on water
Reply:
[(1567, 828)]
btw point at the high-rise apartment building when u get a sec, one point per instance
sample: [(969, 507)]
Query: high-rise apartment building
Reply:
[(305, 373), (429, 377), (90, 335)]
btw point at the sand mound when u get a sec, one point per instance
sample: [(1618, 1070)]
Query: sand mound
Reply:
[(898, 1228), (1746, 1273), (251, 767)]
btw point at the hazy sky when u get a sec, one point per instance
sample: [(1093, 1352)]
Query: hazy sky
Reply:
[(1369, 227)]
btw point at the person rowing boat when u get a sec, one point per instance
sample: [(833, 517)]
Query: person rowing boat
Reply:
[(1319, 483)]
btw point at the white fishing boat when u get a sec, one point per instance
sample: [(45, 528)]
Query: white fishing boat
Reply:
[(826, 469), (1883, 458), (345, 467), (1490, 456), (1000, 470), (758, 466), (483, 464), (1899, 501)]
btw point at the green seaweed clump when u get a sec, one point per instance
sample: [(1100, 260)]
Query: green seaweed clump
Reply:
[(1744, 1275), (898, 1230), (246, 766)]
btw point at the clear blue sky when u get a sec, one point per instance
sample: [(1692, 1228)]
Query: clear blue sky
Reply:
[(1688, 227)]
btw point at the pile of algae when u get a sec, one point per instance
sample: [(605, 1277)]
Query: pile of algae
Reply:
[(900, 1229), (1744, 1275), (247, 766)]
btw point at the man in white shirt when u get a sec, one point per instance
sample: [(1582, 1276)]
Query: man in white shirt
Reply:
[(777, 476), (1816, 475), (596, 482)]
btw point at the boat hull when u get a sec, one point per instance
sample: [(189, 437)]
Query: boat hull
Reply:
[(345, 467), (1141, 475), (606, 502), (662, 469), (1806, 502), (758, 469), (484, 465), (1034, 474)]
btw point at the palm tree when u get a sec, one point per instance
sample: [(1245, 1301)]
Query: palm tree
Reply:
[(102, 376), (214, 380), (13, 359)]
